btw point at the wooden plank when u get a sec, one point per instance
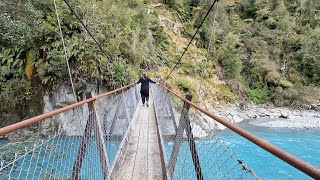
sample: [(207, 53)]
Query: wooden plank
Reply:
[(142, 156), (140, 170)]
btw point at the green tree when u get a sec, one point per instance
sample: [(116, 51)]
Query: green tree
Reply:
[(232, 65), (309, 56)]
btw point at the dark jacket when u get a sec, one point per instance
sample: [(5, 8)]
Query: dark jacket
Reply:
[(144, 80)]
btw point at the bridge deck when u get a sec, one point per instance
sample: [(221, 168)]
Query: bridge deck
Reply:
[(142, 155)]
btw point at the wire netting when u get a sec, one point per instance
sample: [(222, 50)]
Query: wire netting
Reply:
[(87, 142), (141, 157), (45, 150), (116, 113), (193, 151), (76, 144)]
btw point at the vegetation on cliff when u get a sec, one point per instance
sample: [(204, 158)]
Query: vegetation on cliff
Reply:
[(267, 50), (262, 50), (31, 52)]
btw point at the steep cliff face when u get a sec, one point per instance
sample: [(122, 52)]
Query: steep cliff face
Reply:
[(71, 122)]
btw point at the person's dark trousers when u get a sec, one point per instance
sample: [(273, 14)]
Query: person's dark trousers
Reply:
[(144, 97)]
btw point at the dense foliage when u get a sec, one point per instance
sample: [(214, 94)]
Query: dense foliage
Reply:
[(31, 50), (271, 47), (266, 50)]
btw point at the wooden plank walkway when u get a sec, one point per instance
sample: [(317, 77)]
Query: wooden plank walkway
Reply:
[(142, 158)]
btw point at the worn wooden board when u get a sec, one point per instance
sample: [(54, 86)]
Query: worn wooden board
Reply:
[(142, 158)]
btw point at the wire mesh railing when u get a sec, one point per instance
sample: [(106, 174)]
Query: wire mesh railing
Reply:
[(86, 140), (79, 143), (116, 113), (193, 137), (44, 151), (191, 152)]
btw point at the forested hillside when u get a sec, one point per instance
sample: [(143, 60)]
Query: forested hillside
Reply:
[(266, 50), (32, 57), (259, 50)]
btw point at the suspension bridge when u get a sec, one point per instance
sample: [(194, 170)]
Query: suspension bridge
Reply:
[(112, 136)]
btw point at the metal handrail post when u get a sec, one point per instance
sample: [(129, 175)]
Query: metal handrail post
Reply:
[(294, 161)]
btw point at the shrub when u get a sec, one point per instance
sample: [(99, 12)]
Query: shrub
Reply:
[(278, 96), (258, 95), (232, 67), (184, 85), (285, 83)]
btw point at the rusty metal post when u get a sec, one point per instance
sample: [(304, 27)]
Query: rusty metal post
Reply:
[(93, 120), (294, 161), (176, 146), (184, 124), (177, 141), (100, 140), (82, 149), (192, 145)]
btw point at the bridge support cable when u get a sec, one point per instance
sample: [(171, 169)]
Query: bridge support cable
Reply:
[(93, 126), (194, 35), (65, 51), (294, 161), (86, 28)]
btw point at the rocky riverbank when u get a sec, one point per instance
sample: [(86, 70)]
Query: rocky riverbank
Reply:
[(263, 115)]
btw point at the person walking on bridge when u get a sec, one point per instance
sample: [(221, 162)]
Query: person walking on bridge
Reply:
[(144, 80)]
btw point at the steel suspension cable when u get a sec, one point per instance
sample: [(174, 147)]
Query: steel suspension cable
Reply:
[(65, 50), (85, 27), (194, 35)]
